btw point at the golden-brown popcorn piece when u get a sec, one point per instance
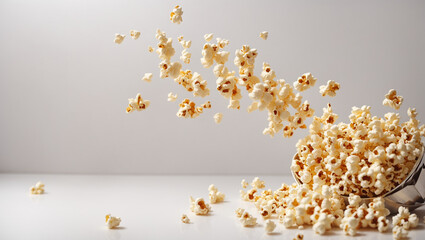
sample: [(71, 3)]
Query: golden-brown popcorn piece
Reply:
[(212, 52), (299, 237), (147, 77), (329, 89), (134, 34), (185, 219), (305, 82), (176, 15), (111, 221), (119, 38), (172, 97), (188, 109), (199, 207), (165, 48), (150, 49), (239, 212), (137, 104), (218, 117), (38, 188), (206, 105), (264, 35), (208, 37), (392, 100)]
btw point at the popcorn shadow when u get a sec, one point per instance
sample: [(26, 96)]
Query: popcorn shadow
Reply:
[(218, 203), (118, 228), (274, 234)]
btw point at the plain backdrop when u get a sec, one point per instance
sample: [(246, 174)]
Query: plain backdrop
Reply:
[(64, 84)]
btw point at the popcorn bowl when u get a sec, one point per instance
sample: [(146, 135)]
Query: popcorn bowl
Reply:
[(410, 193)]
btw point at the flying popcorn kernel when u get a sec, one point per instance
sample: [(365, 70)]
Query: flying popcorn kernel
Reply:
[(185, 57), (188, 109), (329, 89), (199, 207), (264, 35), (305, 82), (176, 15), (218, 117), (185, 43), (269, 226), (147, 77), (392, 100), (119, 38), (208, 37), (171, 97), (137, 104), (112, 222), (38, 188), (206, 105), (185, 219), (150, 49), (134, 34)]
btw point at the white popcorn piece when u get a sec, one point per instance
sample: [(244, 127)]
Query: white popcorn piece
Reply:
[(214, 195), (151, 49), (208, 37), (188, 109), (213, 52), (185, 219), (329, 89), (134, 34), (165, 48), (185, 57), (239, 212), (392, 100), (264, 35), (119, 38), (299, 237), (218, 117), (111, 221), (399, 233), (257, 183), (176, 15), (404, 219), (199, 207), (247, 219), (185, 43), (269, 226), (168, 69), (137, 104), (244, 183), (147, 77), (349, 225), (193, 83), (38, 188), (383, 224), (172, 97), (305, 82)]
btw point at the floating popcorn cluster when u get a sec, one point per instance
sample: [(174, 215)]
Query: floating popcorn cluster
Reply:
[(176, 15), (329, 89), (37, 189), (188, 109), (134, 34), (111, 221)]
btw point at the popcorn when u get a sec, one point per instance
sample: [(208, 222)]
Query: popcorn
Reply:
[(193, 82), (150, 49), (239, 212), (329, 89), (134, 34), (38, 188), (168, 69), (392, 100), (147, 77), (185, 219), (214, 195), (218, 117), (213, 52), (323, 223), (245, 60), (206, 105), (171, 97), (199, 207), (208, 37), (383, 224), (112, 222), (137, 104), (299, 237), (257, 183), (119, 38), (188, 109), (247, 219), (404, 219), (349, 225), (264, 35), (185, 57), (399, 233), (305, 82), (269, 226), (245, 184), (165, 46), (185, 43), (176, 15), (226, 85)]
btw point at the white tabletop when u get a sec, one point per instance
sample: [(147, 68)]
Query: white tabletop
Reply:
[(150, 207)]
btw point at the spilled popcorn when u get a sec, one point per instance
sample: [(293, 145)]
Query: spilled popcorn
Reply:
[(119, 38), (185, 219), (214, 195), (112, 222), (199, 207), (38, 188)]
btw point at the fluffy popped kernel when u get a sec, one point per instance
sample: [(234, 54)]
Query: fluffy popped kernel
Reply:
[(208, 37), (150, 49), (247, 219), (305, 82), (245, 61), (185, 57), (176, 15), (119, 38), (184, 43), (137, 104), (38, 188), (227, 86), (206, 105), (213, 52), (404, 219), (299, 237), (257, 183), (185, 219), (199, 207), (134, 34), (264, 35), (218, 117), (165, 51), (188, 109), (329, 89), (239, 212), (193, 83), (172, 97), (269, 226), (111, 221), (399, 233), (392, 100), (215, 196), (244, 183), (147, 77)]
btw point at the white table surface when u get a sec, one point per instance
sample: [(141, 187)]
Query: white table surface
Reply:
[(150, 207)]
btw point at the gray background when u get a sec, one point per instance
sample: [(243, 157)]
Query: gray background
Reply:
[(64, 84)]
